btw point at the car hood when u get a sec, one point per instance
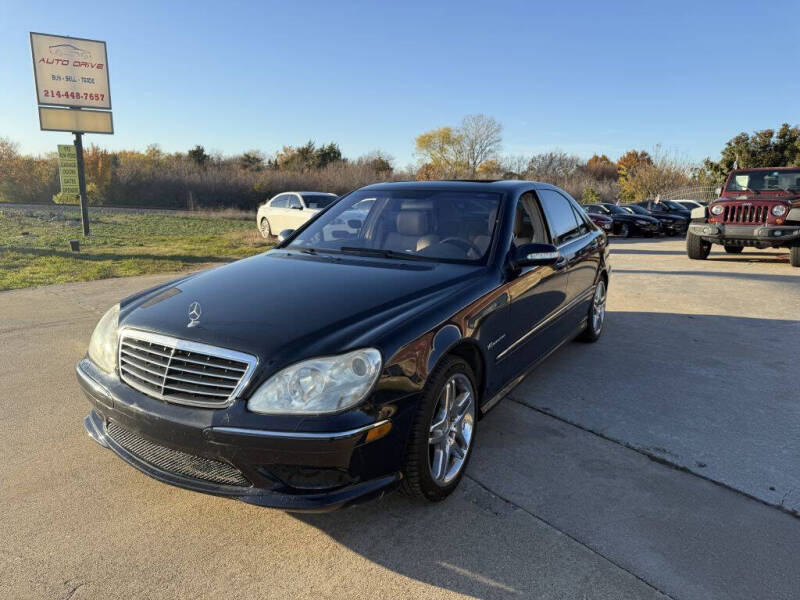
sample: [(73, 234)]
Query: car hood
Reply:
[(635, 217), (287, 304), (671, 217)]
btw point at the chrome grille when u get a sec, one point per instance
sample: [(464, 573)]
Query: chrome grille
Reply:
[(754, 214), (175, 461), (181, 371)]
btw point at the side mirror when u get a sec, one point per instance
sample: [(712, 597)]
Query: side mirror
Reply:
[(531, 255), (297, 207), (284, 235)]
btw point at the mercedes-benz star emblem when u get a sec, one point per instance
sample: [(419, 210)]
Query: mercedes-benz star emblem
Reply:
[(194, 314)]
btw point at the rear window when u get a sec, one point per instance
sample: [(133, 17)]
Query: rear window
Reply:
[(318, 200)]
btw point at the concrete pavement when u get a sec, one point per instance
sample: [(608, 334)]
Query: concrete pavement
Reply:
[(549, 509)]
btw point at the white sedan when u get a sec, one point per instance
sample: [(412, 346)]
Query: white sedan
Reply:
[(289, 210)]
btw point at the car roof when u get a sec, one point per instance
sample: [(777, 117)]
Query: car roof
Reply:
[(765, 169), (471, 185)]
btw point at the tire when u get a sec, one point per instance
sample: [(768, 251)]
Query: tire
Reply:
[(266, 230), (422, 456), (794, 255), (624, 230), (734, 249), (597, 314), (696, 247)]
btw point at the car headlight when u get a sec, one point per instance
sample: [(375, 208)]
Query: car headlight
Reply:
[(717, 209), (320, 385), (641, 222), (779, 210), (103, 345)]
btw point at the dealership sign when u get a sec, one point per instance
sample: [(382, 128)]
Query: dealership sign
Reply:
[(70, 71)]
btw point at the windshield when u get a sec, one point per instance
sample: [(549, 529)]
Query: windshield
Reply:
[(764, 181), (616, 210), (673, 205), (639, 210), (318, 200), (436, 225)]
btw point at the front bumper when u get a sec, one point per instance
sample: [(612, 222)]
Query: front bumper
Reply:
[(189, 447), (748, 235)]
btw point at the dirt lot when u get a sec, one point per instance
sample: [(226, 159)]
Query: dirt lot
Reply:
[(573, 491)]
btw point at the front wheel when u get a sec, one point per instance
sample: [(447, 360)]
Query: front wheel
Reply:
[(597, 314), (443, 432), (625, 230), (266, 230), (696, 247), (734, 249), (794, 255)]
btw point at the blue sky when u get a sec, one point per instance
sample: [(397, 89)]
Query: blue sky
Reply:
[(583, 77)]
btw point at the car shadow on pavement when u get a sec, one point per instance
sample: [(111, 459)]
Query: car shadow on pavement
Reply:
[(646, 385), (472, 543)]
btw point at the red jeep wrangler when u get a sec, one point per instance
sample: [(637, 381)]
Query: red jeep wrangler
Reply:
[(757, 207)]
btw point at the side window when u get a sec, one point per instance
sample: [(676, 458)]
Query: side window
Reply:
[(580, 215), (294, 201), (528, 222), (561, 219), (279, 201)]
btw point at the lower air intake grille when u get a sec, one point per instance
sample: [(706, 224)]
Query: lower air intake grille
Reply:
[(174, 461)]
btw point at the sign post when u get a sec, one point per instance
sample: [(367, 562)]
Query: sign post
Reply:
[(74, 94)]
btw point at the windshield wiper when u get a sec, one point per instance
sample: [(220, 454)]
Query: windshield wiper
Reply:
[(381, 252)]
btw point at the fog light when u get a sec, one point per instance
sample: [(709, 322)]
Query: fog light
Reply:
[(707, 230), (777, 233)]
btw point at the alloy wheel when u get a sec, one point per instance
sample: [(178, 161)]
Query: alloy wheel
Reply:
[(451, 429), (599, 306)]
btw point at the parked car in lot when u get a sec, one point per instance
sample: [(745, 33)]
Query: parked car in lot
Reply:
[(290, 210), (604, 222), (690, 205), (757, 207), (349, 222), (625, 223), (667, 207), (327, 371), (671, 224)]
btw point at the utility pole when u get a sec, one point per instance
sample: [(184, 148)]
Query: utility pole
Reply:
[(82, 183)]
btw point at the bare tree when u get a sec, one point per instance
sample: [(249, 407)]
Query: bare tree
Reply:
[(480, 138)]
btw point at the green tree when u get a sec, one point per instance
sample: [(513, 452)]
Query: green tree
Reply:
[(198, 156), (590, 196), (765, 148), (252, 160)]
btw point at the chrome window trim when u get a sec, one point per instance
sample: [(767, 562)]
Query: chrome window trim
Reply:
[(188, 346), (549, 319), (298, 435)]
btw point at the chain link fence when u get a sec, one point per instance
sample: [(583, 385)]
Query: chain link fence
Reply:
[(699, 193)]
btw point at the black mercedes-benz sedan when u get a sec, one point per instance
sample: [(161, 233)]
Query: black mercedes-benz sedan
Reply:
[(333, 368), (626, 223)]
